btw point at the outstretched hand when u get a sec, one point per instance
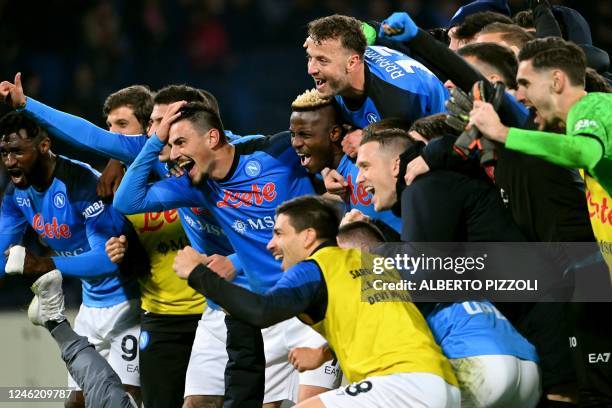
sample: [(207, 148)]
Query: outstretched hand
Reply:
[(12, 93)]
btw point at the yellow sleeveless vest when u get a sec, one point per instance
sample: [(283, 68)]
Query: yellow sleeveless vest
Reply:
[(371, 331)]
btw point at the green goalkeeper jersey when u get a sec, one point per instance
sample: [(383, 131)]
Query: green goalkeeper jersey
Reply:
[(588, 146)]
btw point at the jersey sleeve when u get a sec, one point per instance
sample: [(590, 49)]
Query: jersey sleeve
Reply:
[(291, 296), (101, 223), (12, 226), (575, 151), (135, 194), (585, 120), (83, 134)]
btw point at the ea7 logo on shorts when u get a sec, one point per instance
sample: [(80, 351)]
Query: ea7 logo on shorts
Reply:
[(59, 200), (585, 123), (599, 358), (94, 209), (252, 168)]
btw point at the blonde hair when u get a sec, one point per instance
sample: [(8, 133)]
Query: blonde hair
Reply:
[(309, 100)]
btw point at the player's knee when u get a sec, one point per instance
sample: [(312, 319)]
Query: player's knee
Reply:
[(203, 401)]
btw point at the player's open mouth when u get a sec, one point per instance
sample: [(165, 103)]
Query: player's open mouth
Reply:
[(16, 175), (320, 83), (187, 165), (369, 189), (278, 257), (304, 159)]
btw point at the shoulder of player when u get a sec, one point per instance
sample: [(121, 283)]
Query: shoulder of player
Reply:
[(273, 145), (79, 178), (9, 191), (396, 71)]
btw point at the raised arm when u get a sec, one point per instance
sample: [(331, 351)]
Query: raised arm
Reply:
[(72, 129), (135, 194)]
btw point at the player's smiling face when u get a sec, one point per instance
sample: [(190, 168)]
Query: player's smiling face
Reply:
[(328, 64), (313, 134), (287, 245), (21, 156), (378, 174), (191, 149), (535, 88), (122, 120)]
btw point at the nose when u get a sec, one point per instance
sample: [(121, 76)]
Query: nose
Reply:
[(10, 161), (174, 152), (271, 245), (312, 67), (297, 142)]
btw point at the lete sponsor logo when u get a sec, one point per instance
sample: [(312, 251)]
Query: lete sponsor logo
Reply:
[(600, 210), (358, 194), (52, 229), (256, 196)]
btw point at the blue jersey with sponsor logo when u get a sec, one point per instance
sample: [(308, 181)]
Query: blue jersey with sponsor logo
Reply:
[(395, 86), (73, 221), (361, 199), (470, 329), (201, 228), (264, 173)]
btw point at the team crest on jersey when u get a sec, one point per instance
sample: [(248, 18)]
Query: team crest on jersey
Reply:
[(372, 117), (59, 200), (240, 227), (144, 339), (252, 168)]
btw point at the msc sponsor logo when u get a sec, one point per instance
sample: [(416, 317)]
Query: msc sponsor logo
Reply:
[(76, 252), (93, 209), (257, 196), (59, 200), (203, 226), (23, 202), (252, 168), (52, 229), (253, 224)]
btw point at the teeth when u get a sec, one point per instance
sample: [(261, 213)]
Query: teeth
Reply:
[(278, 257), (369, 189)]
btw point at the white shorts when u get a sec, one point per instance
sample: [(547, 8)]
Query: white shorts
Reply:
[(114, 332), (497, 381), (205, 373), (395, 390)]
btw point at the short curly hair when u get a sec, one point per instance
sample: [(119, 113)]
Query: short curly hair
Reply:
[(556, 53), (346, 29), (138, 97)]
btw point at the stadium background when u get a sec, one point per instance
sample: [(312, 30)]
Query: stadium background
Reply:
[(74, 53)]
